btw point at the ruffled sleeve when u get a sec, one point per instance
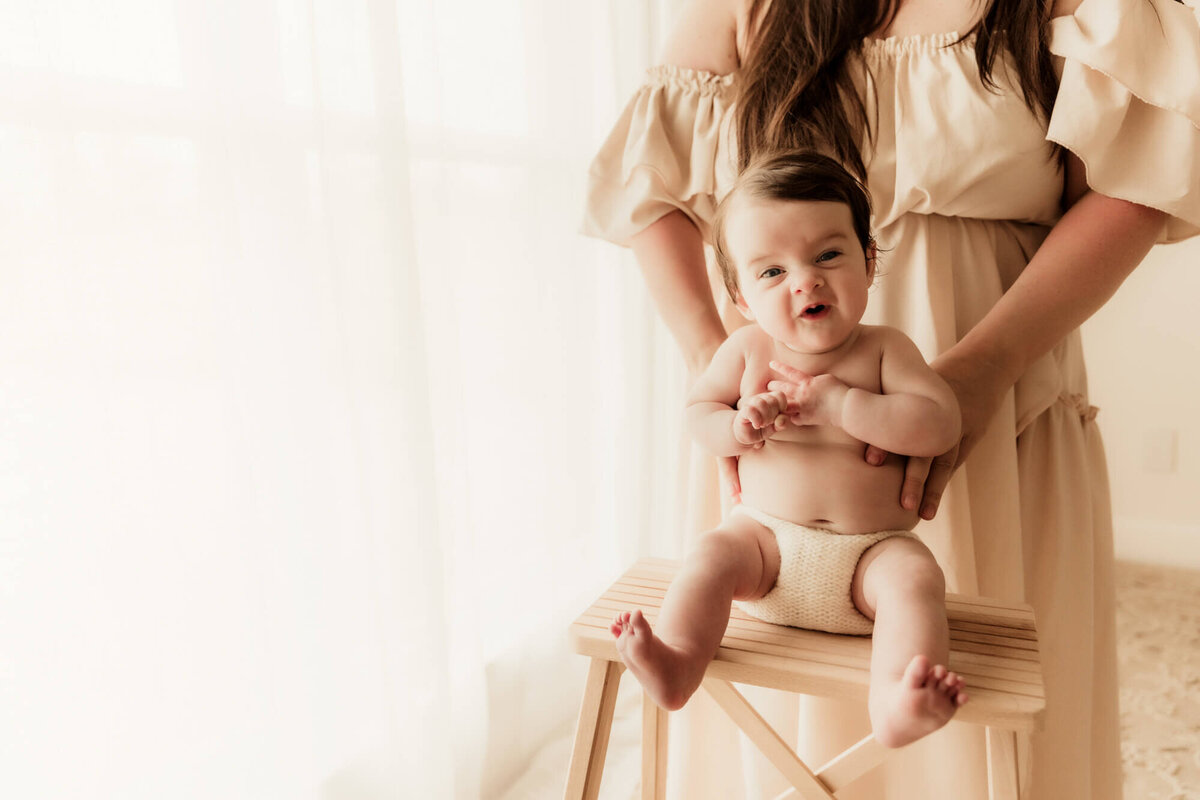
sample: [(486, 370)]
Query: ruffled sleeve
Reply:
[(662, 154), (1128, 103)]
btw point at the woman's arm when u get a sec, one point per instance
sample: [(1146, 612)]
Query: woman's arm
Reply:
[(708, 35), (1086, 257), (670, 254), (1080, 265)]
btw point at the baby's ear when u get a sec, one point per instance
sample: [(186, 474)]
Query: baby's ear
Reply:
[(872, 259)]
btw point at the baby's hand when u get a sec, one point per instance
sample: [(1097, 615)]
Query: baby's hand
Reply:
[(811, 399), (759, 417)]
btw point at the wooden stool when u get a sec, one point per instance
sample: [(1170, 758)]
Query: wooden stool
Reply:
[(993, 645)]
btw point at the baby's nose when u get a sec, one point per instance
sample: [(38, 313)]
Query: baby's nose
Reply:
[(805, 282)]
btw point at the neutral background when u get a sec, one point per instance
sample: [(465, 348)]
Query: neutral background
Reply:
[(318, 420), (1143, 352)]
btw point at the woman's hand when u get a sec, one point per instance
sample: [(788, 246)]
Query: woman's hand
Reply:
[(727, 470), (727, 467), (979, 388)]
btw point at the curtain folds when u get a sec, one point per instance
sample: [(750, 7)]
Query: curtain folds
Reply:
[(320, 422)]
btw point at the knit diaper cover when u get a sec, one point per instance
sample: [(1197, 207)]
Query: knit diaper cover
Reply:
[(816, 573)]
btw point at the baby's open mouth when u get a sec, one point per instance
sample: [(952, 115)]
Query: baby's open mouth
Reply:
[(816, 310)]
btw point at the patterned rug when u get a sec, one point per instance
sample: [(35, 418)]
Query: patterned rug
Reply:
[(1158, 628)]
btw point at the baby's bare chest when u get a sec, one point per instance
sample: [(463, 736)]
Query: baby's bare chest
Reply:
[(858, 369)]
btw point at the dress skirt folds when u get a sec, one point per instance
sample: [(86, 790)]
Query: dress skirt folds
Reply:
[(965, 186)]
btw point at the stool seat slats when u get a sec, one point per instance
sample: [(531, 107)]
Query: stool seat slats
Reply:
[(993, 645)]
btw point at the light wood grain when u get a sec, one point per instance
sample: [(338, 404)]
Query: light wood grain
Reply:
[(1003, 780), (993, 645), (767, 740), (654, 750), (591, 734), (853, 763)]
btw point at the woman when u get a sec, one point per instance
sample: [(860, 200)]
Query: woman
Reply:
[(998, 244)]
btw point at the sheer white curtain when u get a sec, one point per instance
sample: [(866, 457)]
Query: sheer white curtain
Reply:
[(318, 422)]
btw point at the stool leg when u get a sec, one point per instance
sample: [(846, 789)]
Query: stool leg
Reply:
[(1003, 778), (591, 735), (767, 740), (654, 750)]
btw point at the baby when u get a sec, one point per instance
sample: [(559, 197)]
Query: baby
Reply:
[(820, 540)]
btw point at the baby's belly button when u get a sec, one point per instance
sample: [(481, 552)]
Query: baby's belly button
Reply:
[(824, 494)]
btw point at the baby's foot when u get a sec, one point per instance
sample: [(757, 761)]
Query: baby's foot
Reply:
[(668, 674), (924, 700)]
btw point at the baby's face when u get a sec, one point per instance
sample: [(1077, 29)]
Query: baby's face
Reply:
[(802, 274)]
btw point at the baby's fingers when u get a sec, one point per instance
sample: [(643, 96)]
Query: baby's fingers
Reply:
[(776, 402), (765, 408), (791, 373), (747, 432), (756, 413), (790, 392)]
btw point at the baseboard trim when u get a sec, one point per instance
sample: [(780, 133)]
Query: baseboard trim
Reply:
[(1149, 541)]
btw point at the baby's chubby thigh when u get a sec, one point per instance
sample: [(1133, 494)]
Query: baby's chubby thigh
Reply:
[(896, 568), (744, 548)]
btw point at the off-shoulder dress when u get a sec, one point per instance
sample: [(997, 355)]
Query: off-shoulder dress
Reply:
[(965, 188)]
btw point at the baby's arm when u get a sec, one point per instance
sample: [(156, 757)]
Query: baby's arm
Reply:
[(712, 416), (916, 414)]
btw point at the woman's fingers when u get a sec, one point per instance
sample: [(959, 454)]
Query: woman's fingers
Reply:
[(935, 484), (916, 471), (875, 456), (728, 472)]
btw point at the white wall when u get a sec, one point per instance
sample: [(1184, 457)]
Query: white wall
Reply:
[(1143, 352)]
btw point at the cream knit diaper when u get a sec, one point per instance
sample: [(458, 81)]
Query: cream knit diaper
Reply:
[(816, 572)]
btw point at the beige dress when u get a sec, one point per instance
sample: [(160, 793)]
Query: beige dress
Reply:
[(964, 191)]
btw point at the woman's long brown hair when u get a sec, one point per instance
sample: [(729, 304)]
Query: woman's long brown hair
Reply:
[(796, 89)]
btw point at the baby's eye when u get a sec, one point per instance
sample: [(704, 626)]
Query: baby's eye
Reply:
[(770, 272), (828, 255)]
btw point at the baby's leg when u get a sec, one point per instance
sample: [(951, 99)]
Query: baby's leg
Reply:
[(737, 561), (912, 694)]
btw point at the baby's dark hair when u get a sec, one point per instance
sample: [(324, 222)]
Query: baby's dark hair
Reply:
[(792, 175)]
